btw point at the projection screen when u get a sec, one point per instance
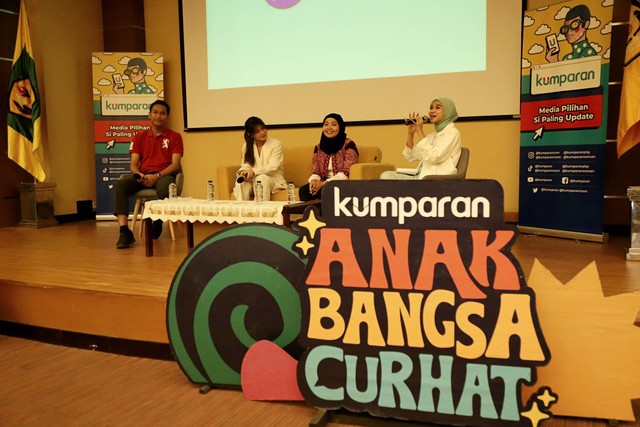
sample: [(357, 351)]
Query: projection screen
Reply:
[(291, 62)]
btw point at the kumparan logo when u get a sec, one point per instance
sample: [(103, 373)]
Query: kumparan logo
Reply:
[(561, 79), (126, 105), (564, 76)]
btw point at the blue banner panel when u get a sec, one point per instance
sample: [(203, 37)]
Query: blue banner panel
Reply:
[(563, 116), (109, 166), (124, 86), (561, 187)]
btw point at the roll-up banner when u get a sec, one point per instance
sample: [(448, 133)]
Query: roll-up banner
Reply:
[(124, 86), (564, 90)]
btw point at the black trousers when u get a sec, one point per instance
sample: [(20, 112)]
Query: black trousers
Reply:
[(127, 185), (305, 194)]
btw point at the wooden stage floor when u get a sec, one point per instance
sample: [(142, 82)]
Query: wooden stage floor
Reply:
[(72, 278)]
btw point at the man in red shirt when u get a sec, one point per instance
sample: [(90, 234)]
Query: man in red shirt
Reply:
[(155, 159)]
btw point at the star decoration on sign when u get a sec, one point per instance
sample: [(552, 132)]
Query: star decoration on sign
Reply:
[(304, 245), (535, 414), (311, 223), (547, 397)]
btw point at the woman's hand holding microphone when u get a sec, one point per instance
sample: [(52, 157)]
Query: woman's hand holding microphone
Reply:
[(245, 175)]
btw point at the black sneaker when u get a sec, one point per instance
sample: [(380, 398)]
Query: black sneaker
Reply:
[(126, 239), (156, 229)]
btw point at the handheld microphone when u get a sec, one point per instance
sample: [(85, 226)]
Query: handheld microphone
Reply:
[(240, 179), (410, 122)]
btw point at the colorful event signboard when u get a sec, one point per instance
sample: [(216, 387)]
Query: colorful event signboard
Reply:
[(564, 89), (124, 85), (404, 303)]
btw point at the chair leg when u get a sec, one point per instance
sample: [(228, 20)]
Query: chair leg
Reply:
[(135, 215), (173, 233)]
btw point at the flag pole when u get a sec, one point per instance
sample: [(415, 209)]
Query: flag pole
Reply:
[(24, 137)]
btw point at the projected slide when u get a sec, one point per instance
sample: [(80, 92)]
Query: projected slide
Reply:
[(276, 42)]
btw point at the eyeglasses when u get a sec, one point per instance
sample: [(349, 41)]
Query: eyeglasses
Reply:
[(573, 25), (132, 70)]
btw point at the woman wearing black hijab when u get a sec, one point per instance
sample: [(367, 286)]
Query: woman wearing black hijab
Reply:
[(332, 157)]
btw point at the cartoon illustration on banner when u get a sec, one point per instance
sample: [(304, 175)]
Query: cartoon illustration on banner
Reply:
[(124, 85)]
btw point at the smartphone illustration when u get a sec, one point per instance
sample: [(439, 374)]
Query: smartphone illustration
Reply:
[(117, 80), (552, 43)]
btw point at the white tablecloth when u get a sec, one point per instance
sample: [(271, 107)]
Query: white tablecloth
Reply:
[(220, 211)]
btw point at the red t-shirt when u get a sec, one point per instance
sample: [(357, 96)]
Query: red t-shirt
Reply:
[(156, 151)]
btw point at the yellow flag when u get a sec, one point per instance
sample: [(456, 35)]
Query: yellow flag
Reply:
[(23, 118), (629, 120)]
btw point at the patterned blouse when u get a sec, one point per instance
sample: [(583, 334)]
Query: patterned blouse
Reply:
[(340, 162)]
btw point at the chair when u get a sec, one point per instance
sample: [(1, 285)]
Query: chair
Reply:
[(463, 163), (150, 194)]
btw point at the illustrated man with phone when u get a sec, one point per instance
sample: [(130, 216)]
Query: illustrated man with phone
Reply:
[(136, 71), (576, 23)]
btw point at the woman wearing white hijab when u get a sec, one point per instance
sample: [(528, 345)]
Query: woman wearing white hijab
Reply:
[(439, 151)]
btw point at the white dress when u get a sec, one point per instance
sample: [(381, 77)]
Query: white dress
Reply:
[(438, 153), (268, 169)]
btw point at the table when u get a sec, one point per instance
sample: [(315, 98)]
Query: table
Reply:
[(189, 210), (298, 209)]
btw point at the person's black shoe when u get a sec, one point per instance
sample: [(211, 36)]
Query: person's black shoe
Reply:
[(156, 229), (126, 239)]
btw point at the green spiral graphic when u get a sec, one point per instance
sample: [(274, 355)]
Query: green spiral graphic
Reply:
[(237, 287)]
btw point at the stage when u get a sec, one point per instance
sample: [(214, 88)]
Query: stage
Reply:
[(72, 277)]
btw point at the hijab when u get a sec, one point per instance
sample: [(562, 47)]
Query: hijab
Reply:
[(450, 113), (333, 145)]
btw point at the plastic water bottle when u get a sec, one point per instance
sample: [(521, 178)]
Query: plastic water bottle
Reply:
[(210, 191), (259, 194), (173, 191), (291, 193)]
